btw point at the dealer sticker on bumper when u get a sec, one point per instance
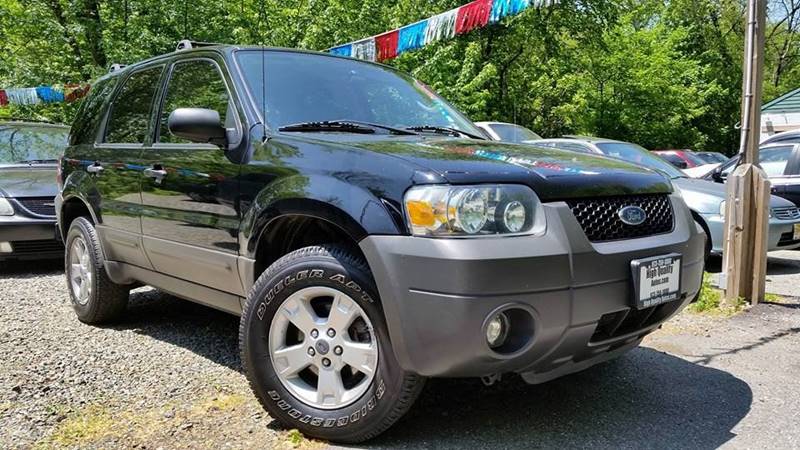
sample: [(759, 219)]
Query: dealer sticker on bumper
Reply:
[(656, 280)]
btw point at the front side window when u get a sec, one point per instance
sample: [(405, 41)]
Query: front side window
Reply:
[(25, 144), (296, 88), (774, 160), (194, 84), (130, 112)]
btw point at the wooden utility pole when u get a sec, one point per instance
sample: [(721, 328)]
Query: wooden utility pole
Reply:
[(747, 203)]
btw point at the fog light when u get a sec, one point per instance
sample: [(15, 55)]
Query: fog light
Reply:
[(497, 330), (5, 247)]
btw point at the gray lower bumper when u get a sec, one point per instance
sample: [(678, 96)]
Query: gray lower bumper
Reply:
[(438, 293)]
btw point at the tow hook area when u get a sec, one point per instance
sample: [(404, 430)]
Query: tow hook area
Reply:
[(489, 380)]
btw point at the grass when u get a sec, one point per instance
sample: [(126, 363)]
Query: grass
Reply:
[(774, 298), (710, 301)]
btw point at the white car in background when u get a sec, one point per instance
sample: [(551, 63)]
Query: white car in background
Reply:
[(508, 132), (700, 171)]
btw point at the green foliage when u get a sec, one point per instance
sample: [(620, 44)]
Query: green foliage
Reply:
[(710, 297), (662, 74)]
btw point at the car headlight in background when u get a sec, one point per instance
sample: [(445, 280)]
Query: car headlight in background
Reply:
[(5, 208), (480, 210)]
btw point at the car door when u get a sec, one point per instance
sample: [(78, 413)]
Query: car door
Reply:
[(115, 165), (189, 193)]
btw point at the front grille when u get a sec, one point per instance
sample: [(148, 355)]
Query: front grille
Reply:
[(35, 247), (43, 206), (788, 213), (620, 323), (599, 220)]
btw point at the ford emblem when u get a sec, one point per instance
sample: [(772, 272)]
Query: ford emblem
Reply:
[(632, 215)]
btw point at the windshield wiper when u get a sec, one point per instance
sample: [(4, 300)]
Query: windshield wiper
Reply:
[(445, 130), (378, 125), (344, 127)]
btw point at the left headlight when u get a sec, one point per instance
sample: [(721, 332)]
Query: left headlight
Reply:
[(479, 210), (5, 208)]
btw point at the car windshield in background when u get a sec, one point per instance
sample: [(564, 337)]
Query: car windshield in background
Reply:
[(302, 88), (638, 155), (513, 133), (22, 144), (712, 157)]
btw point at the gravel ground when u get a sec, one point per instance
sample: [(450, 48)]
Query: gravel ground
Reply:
[(169, 376)]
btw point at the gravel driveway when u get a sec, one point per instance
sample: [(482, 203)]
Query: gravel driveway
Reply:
[(168, 376)]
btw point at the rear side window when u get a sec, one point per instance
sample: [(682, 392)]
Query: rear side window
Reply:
[(84, 127), (195, 84), (130, 112), (774, 160)]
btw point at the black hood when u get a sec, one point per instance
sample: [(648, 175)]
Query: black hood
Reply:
[(553, 174), (28, 181)]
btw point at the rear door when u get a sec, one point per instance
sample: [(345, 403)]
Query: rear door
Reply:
[(116, 167), (190, 220)]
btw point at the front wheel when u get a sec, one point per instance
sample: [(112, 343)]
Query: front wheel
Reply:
[(316, 350)]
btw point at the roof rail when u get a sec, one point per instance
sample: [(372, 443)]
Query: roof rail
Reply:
[(116, 68), (186, 44)]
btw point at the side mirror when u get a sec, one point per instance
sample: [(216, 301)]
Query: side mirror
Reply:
[(717, 175), (198, 125)]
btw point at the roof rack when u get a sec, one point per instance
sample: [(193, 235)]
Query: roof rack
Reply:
[(116, 67), (186, 44)]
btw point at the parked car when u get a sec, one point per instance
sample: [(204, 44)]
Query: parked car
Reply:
[(712, 157), (700, 171), (366, 233), (29, 152), (781, 162), (507, 132), (682, 159), (705, 199), (786, 137)]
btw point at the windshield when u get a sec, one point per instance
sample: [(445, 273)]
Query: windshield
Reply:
[(304, 87), (20, 144), (513, 133), (638, 155)]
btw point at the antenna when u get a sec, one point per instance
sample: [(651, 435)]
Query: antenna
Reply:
[(262, 16)]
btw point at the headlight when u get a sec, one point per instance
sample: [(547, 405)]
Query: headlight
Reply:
[(481, 210), (5, 208)]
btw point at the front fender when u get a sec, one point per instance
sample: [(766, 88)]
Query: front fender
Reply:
[(354, 209)]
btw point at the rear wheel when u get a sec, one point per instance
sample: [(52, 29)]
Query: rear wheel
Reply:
[(316, 350), (95, 298)]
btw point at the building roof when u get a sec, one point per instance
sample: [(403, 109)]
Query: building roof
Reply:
[(787, 103)]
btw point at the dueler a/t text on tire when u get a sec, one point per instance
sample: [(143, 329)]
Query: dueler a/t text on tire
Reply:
[(95, 298), (316, 350)]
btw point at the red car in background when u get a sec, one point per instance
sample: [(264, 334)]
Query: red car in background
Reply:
[(682, 159)]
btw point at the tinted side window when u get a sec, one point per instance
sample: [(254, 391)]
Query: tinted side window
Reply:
[(84, 127), (194, 84), (130, 112), (774, 160)]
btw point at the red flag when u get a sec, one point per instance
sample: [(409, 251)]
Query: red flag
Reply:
[(473, 15), (386, 45)]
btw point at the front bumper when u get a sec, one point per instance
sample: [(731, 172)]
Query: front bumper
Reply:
[(437, 295), (29, 238), (779, 235)]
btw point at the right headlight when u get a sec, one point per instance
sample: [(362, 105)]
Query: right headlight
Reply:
[(479, 210), (5, 208)]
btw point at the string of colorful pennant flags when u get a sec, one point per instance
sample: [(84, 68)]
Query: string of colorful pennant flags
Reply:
[(382, 47), (43, 94), (461, 20)]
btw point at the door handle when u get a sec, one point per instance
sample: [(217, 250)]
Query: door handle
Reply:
[(94, 168)]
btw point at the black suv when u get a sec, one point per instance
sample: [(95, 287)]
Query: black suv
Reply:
[(366, 233), (29, 153)]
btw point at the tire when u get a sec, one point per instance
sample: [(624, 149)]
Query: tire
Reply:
[(367, 407), (103, 301), (707, 248)]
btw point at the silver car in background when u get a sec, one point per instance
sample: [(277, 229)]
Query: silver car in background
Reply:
[(705, 199)]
